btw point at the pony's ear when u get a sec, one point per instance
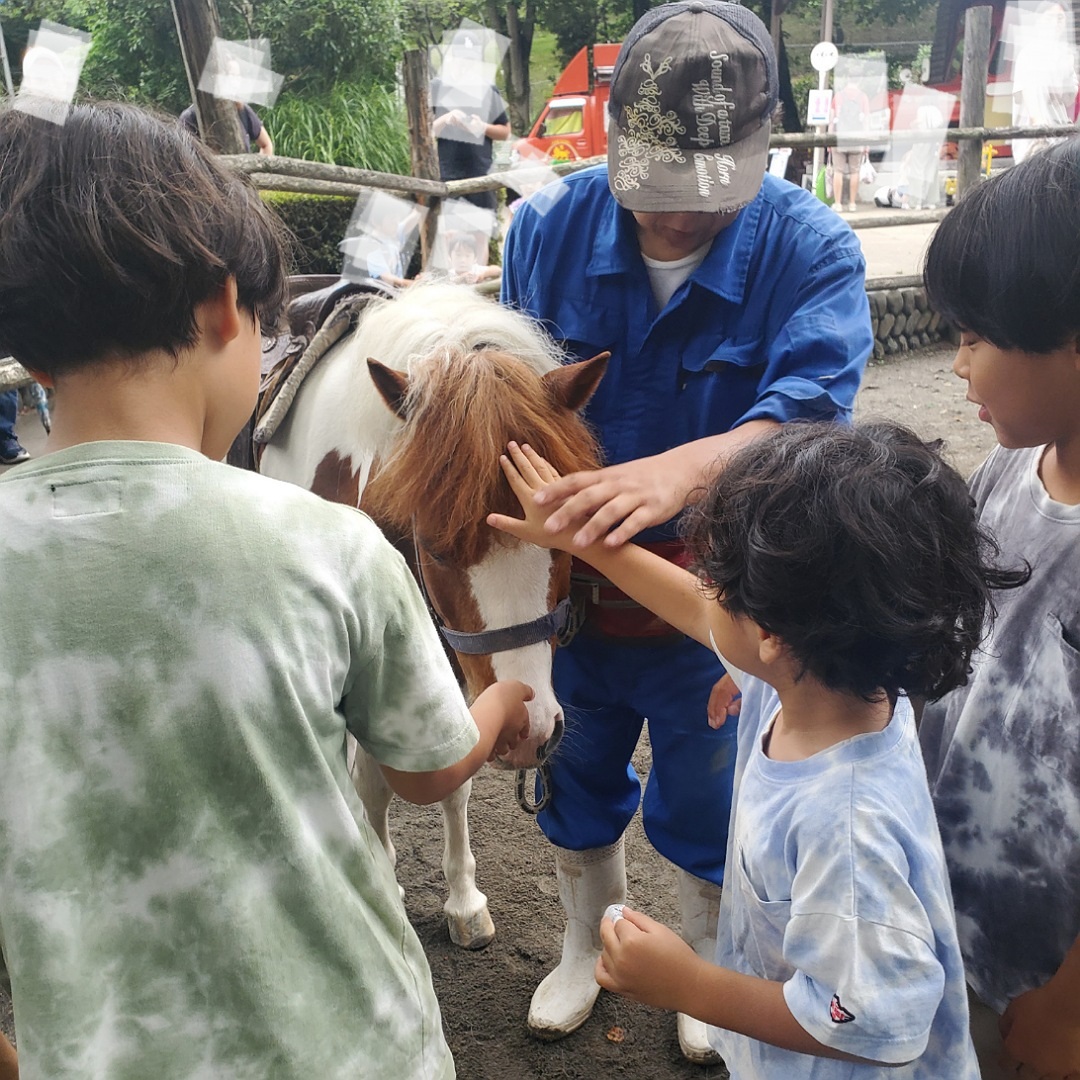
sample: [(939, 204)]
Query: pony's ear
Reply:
[(393, 386), (573, 384)]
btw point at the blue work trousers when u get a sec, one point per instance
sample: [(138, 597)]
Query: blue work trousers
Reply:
[(608, 689)]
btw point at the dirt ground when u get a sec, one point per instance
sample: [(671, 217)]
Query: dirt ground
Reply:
[(485, 995)]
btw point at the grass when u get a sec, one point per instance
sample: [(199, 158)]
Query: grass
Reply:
[(361, 126)]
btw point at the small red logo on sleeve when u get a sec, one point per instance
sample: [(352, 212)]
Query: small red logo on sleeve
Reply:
[(837, 1013)]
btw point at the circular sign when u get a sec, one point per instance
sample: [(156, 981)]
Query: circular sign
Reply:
[(823, 56)]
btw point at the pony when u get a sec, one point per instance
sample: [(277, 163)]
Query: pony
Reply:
[(405, 418)]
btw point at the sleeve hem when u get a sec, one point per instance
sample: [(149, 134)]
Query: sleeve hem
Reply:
[(430, 758), (886, 1051)]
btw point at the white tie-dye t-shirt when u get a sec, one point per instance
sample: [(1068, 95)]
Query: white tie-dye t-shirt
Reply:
[(189, 886), (836, 887)]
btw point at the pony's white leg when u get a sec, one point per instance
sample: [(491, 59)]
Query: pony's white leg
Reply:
[(374, 793), (466, 907)]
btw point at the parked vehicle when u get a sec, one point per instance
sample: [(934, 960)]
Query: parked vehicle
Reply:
[(573, 124)]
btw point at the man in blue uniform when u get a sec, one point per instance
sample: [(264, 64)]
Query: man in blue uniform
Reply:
[(731, 302)]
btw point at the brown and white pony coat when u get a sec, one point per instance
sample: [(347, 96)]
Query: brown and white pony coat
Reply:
[(461, 376)]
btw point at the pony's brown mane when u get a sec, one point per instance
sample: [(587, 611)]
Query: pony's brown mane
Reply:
[(443, 476)]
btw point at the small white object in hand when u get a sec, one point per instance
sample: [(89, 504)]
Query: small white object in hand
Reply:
[(614, 912)]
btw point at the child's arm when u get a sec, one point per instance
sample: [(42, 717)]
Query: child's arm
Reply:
[(9, 1061), (645, 961), (1041, 1028), (661, 586), (502, 721)]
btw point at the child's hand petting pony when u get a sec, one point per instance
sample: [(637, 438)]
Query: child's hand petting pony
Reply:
[(529, 473)]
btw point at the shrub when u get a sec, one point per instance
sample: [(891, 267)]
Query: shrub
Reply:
[(318, 223)]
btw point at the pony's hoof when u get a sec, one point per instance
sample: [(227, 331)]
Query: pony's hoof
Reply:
[(472, 932)]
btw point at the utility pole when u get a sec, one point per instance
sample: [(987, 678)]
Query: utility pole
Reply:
[(197, 24), (973, 95)]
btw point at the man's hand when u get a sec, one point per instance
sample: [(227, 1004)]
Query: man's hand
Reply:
[(616, 503), (645, 961), (1042, 1035)]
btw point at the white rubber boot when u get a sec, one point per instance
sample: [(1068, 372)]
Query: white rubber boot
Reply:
[(588, 882), (699, 909)]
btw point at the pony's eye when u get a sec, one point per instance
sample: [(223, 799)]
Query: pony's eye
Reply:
[(431, 553)]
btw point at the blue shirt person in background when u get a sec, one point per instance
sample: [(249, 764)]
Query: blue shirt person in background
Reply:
[(837, 954), (731, 302)]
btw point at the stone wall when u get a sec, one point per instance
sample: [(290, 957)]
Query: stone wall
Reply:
[(902, 320)]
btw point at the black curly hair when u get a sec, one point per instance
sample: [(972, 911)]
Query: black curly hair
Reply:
[(859, 548)]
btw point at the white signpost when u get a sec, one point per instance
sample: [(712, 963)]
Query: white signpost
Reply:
[(823, 57)]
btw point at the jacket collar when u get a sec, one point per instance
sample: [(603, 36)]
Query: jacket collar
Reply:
[(723, 271)]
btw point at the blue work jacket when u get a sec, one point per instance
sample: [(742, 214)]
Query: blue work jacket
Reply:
[(774, 324)]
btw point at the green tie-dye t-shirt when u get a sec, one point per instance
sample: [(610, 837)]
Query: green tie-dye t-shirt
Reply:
[(188, 884)]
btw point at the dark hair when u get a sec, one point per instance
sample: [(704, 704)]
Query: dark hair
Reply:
[(114, 226), (1005, 262), (859, 548)]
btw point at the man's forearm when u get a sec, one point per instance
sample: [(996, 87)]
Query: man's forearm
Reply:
[(698, 462)]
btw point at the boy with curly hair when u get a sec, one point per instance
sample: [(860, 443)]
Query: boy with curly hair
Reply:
[(837, 953)]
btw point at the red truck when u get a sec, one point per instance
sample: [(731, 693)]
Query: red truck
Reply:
[(573, 124)]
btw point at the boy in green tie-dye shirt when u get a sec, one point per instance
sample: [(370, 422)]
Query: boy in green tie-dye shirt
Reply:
[(189, 886)]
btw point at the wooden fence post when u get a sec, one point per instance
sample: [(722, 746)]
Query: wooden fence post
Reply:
[(197, 24), (973, 95), (422, 149)]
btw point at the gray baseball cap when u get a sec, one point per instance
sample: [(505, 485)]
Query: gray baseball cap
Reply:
[(689, 114)]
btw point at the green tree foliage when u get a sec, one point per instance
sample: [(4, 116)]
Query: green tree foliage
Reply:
[(577, 23), (316, 43), (136, 53)]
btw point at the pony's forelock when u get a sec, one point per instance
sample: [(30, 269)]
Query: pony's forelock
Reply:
[(443, 475)]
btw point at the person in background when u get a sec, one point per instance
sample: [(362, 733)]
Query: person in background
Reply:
[(1044, 77), (470, 116), (11, 450), (731, 302), (1003, 752), (850, 115), (255, 133)]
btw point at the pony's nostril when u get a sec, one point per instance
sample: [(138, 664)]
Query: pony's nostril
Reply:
[(545, 751)]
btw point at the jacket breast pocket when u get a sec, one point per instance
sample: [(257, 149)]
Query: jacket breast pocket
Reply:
[(735, 362)]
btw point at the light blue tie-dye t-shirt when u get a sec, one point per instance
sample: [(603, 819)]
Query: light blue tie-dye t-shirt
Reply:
[(836, 887), (1003, 752), (189, 886)]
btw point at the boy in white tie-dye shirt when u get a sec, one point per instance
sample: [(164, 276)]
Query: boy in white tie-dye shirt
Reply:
[(843, 570), (189, 886)]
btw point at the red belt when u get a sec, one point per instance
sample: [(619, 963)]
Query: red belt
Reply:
[(609, 612)]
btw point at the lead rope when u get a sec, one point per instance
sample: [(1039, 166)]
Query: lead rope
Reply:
[(534, 808), (564, 637)]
